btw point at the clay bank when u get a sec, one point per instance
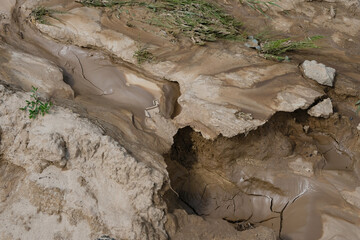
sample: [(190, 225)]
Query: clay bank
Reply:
[(178, 119)]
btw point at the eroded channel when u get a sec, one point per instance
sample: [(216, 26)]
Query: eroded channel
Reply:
[(292, 173)]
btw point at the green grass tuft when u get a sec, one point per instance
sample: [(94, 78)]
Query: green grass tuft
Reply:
[(143, 55), (275, 49), (259, 5), (39, 14), (199, 20)]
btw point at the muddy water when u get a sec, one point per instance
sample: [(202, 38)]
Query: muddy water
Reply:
[(245, 179), (90, 73), (108, 84), (116, 93)]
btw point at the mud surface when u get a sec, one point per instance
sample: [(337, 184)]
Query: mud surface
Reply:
[(288, 172), (230, 128)]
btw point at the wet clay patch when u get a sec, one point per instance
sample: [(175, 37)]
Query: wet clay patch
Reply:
[(223, 177)]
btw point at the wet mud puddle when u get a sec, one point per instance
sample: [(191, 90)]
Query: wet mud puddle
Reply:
[(102, 82)]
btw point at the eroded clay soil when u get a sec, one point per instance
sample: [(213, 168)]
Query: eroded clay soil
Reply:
[(229, 128)]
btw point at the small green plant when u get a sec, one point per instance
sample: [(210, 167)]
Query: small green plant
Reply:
[(143, 55), (39, 14), (258, 5), (275, 49), (357, 104), (36, 106)]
